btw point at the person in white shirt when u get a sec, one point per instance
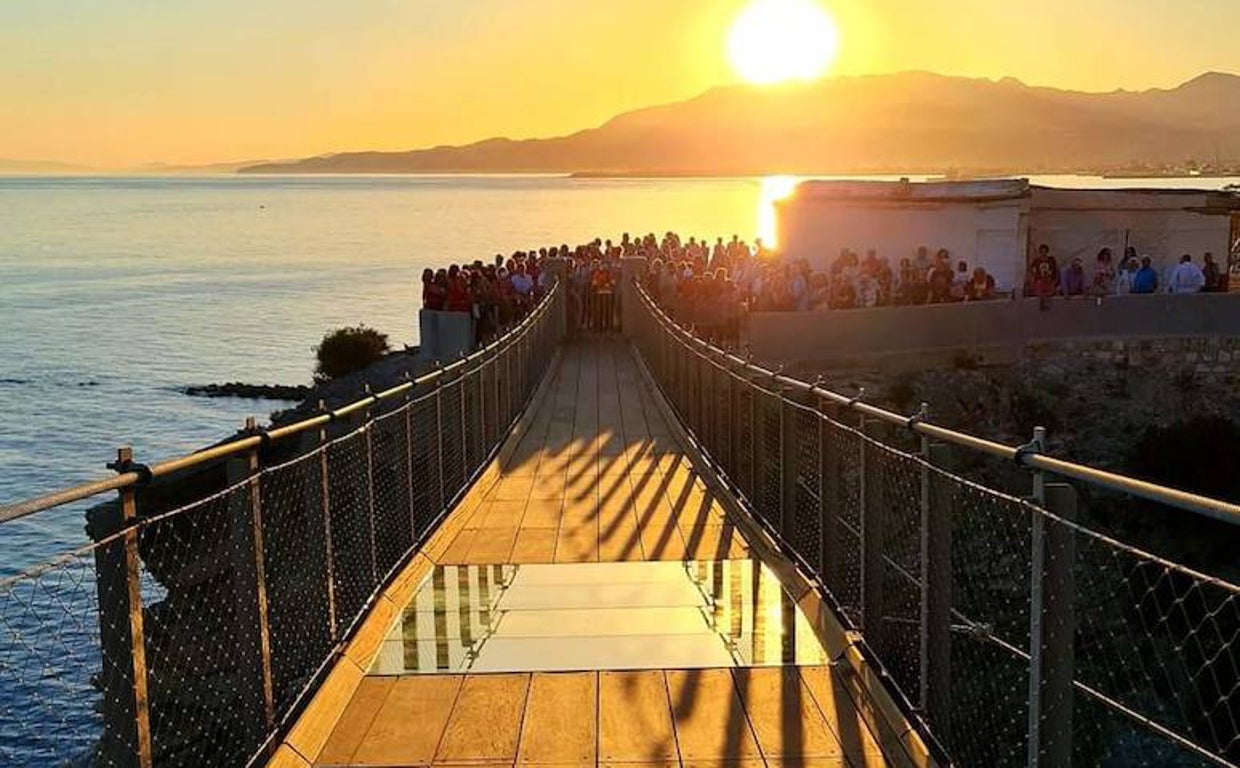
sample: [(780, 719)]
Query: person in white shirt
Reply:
[(1123, 281), (1187, 277)]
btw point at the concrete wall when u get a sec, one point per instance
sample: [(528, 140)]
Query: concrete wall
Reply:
[(445, 336), (987, 234), (1163, 235), (993, 332), (999, 225)]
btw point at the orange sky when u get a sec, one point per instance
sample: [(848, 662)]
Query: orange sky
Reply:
[(124, 82)]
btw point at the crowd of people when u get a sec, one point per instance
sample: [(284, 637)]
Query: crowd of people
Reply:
[(496, 295), (711, 286), (1134, 274)]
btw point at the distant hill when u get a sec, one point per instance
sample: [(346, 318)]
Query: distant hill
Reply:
[(909, 122), (172, 169), (40, 167)]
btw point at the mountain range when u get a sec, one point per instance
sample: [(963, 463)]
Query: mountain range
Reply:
[(908, 122)]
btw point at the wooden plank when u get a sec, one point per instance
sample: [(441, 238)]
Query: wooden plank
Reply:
[(316, 724), (534, 545), (407, 728), (486, 720), (560, 719), (662, 541), (783, 714), (619, 538), (512, 489), (500, 514), (351, 729), (710, 720), (635, 722), (457, 552), (715, 542), (542, 514), (577, 543), (492, 545), (836, 706)]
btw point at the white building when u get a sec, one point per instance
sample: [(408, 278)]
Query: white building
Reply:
[(999, 224)]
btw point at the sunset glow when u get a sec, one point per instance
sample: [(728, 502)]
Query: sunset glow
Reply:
[(774, 41), (774, 189)]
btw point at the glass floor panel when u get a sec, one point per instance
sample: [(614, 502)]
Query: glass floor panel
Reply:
[(632, 615)]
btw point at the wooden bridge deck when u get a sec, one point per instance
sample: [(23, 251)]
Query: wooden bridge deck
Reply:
[(599, 477)]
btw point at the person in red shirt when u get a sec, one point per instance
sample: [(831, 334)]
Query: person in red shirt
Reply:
[(433, 292), (459, 298), (1044, 275)]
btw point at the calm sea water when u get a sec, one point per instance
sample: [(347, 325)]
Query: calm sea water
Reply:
[(117, 292)]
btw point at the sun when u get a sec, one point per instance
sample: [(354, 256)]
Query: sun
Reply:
[(774, 41)]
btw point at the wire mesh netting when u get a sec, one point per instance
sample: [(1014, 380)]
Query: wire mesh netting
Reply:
[(49, 619), (1156, 639), (894, 482), (211, 601), (990, 591), (804, 530), (998, 620), (769, 471)]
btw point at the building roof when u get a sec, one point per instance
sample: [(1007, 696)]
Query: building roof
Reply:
[(999, 190)]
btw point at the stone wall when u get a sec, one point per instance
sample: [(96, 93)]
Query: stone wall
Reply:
[(997, 332), (1216, 356)]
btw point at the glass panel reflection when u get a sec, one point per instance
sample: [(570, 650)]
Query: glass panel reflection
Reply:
[(598, 616)]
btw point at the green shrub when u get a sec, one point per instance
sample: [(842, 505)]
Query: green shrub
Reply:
[(346, 350)]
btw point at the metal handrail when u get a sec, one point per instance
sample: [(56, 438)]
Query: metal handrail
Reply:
[(124, 479), (1217, 509)]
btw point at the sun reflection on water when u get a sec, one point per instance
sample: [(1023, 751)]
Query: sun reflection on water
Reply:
[(773, 189)]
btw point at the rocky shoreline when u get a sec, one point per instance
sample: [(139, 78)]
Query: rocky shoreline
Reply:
[(238, 389)]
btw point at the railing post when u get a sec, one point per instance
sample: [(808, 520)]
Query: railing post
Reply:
[(873, 534), (484, 424), (500, 422), (409, 482), (1053, 570), (750, 415), (788, 469), (733, 409), (250, 589), (439, 473), (368, 435), (1037, 534), (329, 550), (462, 420), (936, 586), (126, 738), (828, 495)]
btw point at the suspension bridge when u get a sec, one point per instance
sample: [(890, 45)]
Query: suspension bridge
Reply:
[(638, 550)]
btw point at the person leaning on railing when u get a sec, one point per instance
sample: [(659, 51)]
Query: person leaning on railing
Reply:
[(603, 286)]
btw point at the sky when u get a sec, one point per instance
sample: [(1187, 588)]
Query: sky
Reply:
[(115, 83)]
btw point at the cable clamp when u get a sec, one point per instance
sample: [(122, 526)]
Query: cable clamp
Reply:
[(264, 437), (1031, 448), (125, 467), (917, 418), (857, 397)]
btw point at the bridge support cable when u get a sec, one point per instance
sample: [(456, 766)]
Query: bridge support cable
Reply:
[(226, 583), (1014, 631)]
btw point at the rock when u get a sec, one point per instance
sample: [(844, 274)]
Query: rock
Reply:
[(251, 391)]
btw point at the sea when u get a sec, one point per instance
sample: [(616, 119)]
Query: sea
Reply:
[(116, 293)]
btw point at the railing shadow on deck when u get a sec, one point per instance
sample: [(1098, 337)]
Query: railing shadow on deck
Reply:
[(1013, 633), (221, 585), (649, 503)]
